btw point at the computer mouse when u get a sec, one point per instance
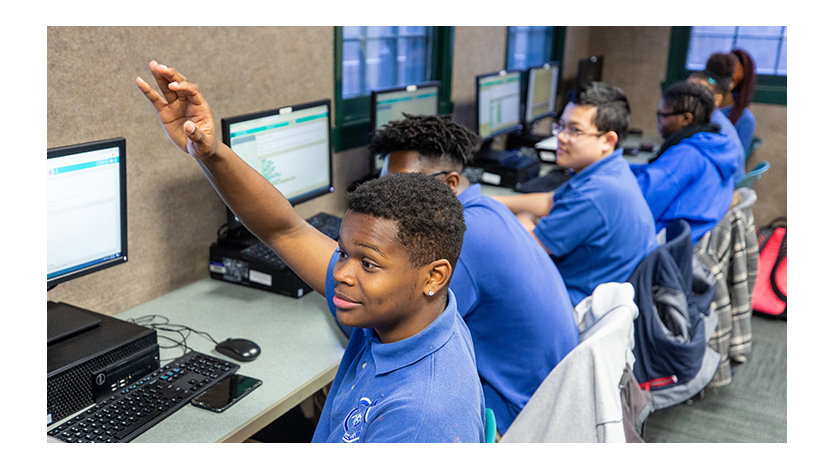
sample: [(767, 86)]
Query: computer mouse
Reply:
[(239, 349)]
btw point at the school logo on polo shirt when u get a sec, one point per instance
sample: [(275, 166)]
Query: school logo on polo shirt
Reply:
[(355, 421)]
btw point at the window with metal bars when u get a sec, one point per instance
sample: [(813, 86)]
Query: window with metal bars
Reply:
[(691, 46)]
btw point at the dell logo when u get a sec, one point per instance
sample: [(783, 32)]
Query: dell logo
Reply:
[(100, 378)]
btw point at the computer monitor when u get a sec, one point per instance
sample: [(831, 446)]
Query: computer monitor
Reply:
[(542, 86), (86, 213), (391, 103), (589, 70), (498, 103), (290, 147)]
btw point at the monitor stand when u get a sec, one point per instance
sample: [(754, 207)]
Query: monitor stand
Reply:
[(64, 321)]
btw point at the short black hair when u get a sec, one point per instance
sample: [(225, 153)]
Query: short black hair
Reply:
[(427, 212), (613, 111), (690, 97), (434, 137)]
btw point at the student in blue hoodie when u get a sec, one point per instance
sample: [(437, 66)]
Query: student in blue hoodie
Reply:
[(691, 177), (720, 87)]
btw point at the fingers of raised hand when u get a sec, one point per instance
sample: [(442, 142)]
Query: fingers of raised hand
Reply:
[(151, 94), (187, 90), (164, 75)]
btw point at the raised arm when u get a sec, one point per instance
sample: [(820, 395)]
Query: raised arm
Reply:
[(187, 119)]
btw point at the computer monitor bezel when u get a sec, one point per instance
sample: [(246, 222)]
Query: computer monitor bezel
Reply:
[(583, 67), (553, 112), (519, 126), (375, 99), (415, 87), (115, 142), (225, 123)]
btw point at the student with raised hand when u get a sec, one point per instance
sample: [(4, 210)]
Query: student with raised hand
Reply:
[(596, 226), (691, 177), (739, 68), (720, 87), (508, 291), (408, 372)]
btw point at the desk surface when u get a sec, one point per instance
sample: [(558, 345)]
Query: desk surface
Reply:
[(301, 347)]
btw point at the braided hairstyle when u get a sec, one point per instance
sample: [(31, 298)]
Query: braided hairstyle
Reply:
[(427, 212), (433, 137), (690, 97)]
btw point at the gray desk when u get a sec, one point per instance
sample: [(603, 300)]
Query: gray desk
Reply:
[(301, 349)]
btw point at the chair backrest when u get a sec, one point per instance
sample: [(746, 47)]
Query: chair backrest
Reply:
[(753, 175), (579, 401), (489, 426)]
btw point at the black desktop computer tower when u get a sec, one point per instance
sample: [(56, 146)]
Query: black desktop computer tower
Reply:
[(90, 356), (227, 263)]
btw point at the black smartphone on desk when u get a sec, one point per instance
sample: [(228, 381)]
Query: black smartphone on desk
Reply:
[(226, 393)]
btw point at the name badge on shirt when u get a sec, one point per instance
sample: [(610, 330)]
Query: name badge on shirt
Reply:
[(355, 421)]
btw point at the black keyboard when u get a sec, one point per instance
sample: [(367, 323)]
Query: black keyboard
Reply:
[(544, 183), (134, 409), (325, 223)]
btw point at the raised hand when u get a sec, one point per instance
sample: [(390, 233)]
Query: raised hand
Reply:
[(184, 112)]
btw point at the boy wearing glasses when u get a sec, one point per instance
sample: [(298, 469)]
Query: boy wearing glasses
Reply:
[(691, 177), (597, 226)]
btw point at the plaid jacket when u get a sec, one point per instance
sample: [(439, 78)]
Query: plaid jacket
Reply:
[(731, 251)]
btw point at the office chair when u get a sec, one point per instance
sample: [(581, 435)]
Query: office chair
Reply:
[(579, 401), (753, 175), (489, 426)]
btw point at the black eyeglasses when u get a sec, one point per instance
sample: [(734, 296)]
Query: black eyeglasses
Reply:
[(438, 173), (661, 114)]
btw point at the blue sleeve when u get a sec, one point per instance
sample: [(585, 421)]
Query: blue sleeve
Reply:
[(330, 289), (573, 220), (746, 127), (659, 183)]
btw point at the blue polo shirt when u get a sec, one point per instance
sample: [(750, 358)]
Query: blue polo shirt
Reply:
[(424, 388), (514, 302), (600, 226)]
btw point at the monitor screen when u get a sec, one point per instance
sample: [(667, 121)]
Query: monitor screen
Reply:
[(290, 147), (590, 70), (498, 103), (390, 105), (86, 213), (542, 83)]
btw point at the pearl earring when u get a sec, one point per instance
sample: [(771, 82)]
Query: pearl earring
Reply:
[(431, 293)]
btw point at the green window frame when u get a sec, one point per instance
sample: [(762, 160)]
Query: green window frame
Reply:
[(352, 115), (772, 89), (554, 37)]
